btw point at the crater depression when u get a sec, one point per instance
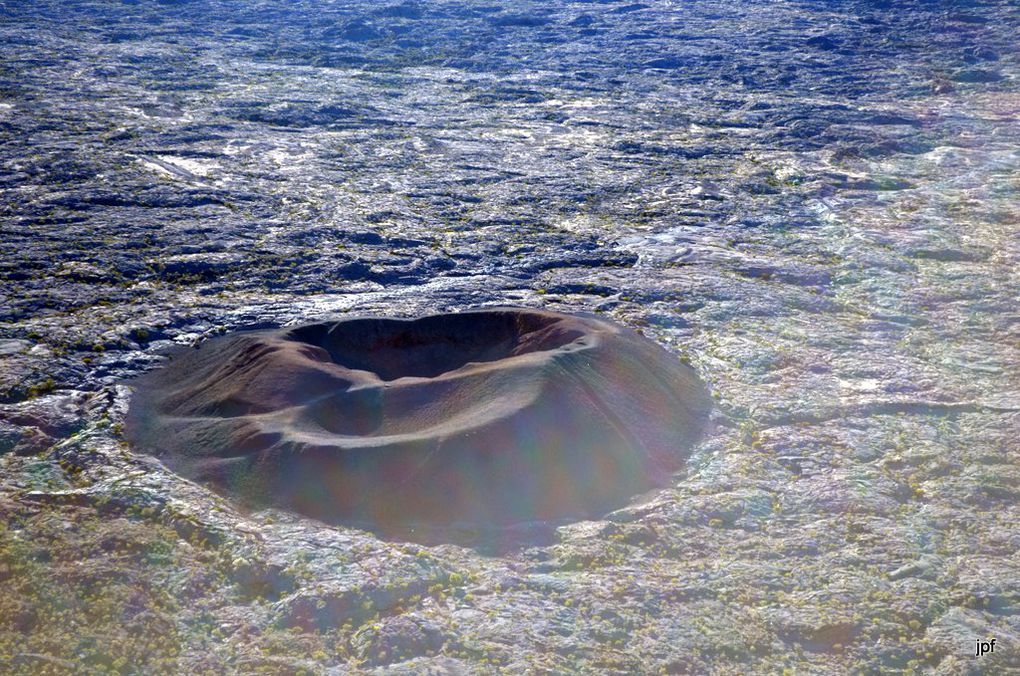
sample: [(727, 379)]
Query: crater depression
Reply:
[(484, 418)]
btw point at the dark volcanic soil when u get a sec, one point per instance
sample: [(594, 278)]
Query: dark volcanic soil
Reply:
[(813, 203)]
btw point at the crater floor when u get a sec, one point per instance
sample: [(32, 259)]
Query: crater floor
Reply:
[(815, 204)]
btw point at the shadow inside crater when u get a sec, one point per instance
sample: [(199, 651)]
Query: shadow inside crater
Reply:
[(433, 345)]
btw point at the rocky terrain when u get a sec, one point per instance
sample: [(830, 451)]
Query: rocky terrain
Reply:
[(814, 203)]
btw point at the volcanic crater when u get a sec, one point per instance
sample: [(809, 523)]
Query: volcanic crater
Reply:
[(480, 419)]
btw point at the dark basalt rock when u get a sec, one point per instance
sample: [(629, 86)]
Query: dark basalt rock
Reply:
[(482, 418)]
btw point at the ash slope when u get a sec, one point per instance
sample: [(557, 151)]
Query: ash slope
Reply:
[(815, 202)]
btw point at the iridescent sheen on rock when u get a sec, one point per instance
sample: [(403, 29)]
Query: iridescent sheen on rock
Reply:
[(481, 418)]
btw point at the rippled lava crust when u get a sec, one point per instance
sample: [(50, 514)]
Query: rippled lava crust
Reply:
[(480, 418)]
